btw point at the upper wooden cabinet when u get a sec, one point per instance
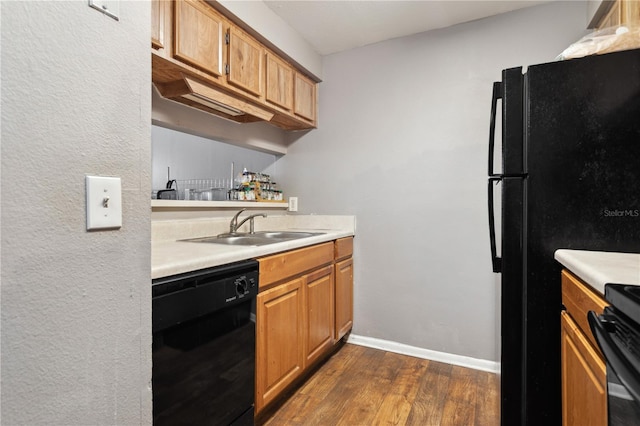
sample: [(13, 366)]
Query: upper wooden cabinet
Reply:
[(613, 17), (614, 13), (192, 39), (245, 62), (305, 98), (157, 24), (198, 36), (279, 90)]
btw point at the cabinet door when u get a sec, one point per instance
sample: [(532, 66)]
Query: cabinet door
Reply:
[(344, 297), (245, 62), (279, 87), (198, 36), (631, 13), (279, 340), (584, 397), (319, 312), (614, 17), (157, 23), (304, 100)]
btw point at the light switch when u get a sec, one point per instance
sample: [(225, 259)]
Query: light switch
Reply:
[(104, 202), (110, 8)]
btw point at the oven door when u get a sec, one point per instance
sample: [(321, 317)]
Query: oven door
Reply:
[(619, 340)]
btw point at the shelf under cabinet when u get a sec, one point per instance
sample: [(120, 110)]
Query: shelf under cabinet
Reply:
[(189, 204)]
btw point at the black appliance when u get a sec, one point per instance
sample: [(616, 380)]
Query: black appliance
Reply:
[(170, 193), (570, 176), (204, 346), (617, 332)]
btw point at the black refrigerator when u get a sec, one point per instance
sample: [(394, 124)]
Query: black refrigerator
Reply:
[(570, 178)]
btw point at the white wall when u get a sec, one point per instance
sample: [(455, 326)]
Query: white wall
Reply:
[(75, 305), (402, 144)]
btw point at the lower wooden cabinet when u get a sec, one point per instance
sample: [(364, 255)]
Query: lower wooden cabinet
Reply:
[(344, 297), (319, 313), (305, 308), (584, 382), (279, 335)]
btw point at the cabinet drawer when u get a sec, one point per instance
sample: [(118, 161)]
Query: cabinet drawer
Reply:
[(343, 248), (284, 265), (579, 298)]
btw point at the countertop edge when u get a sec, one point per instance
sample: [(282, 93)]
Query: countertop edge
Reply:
[(599, 268), (191, 256)]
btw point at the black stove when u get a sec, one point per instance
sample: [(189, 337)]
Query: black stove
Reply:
[(617, 332), (625, 298)]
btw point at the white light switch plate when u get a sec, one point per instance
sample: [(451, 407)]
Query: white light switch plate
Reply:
[(110, 8), (293, 204), (104, 202)]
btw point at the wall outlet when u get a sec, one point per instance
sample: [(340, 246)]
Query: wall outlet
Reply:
[(104, 202), (293, 204)]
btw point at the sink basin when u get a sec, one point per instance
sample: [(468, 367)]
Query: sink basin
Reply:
[(286, 235), (256, 239), (240, 240)]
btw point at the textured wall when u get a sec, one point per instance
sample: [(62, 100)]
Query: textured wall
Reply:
[(75, 305), (402, 144)]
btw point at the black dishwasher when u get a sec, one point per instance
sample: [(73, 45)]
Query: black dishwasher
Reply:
[(204, 346)]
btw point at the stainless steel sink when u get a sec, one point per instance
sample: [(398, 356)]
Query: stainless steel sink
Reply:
[(286, 235), (257, 239)]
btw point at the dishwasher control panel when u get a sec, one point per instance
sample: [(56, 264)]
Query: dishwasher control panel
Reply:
[(185, 297), (242, 286)]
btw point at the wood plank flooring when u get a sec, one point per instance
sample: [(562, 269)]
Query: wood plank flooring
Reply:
[(364, 386)]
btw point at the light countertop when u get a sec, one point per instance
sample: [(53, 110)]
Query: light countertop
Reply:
[(598, 268), (170, 256)]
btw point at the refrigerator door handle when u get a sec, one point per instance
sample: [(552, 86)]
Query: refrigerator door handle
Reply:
[(614, 354), (495, 260), (497, 94)]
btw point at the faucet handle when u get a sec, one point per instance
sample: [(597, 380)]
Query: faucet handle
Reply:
[(233, 225), (251, 224)]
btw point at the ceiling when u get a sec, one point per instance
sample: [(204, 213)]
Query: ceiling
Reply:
[(332, 26)]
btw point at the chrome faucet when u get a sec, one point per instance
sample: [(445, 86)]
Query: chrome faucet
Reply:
[(234, 225)]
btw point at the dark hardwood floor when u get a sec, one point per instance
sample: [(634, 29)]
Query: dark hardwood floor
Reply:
[(364, 386)]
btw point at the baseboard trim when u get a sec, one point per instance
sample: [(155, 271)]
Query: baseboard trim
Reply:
[(401, 348)]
